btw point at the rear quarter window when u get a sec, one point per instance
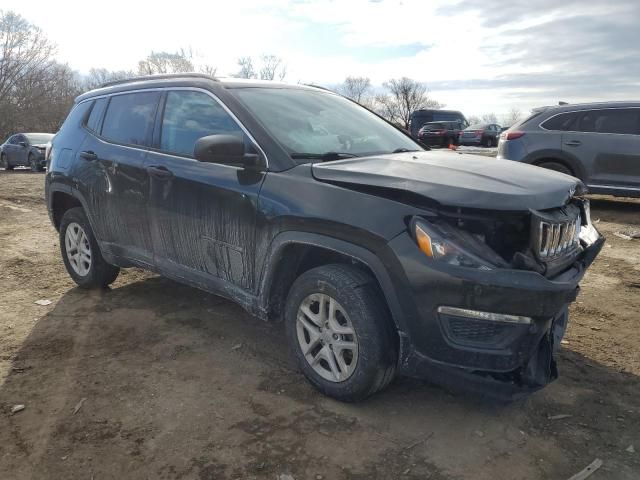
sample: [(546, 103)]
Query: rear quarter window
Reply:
[(77, 115), (129, 118), (95, 117)]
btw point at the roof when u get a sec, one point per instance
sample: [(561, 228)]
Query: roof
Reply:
[(585, 106), (186, 79)]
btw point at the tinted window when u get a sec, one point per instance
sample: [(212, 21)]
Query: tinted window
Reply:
[(434, 126), (39, 138), (13, 140), (77, 115), (95, 117), (625, 121), (129, 118), (563, 122), (189, 116)]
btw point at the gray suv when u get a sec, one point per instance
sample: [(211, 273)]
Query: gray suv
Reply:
[(596, 142)]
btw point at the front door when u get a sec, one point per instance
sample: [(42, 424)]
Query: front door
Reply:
[(608, 145), (18, 152), (202, 214)]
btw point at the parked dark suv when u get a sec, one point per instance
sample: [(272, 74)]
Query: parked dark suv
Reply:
[(597, 142), (300, 204), (440, 133), (420, 117)]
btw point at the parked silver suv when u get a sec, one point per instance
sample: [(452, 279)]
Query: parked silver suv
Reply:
[(596, 142)]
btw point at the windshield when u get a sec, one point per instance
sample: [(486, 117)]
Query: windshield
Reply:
[(37, 138), (434, 126), (315, 123)]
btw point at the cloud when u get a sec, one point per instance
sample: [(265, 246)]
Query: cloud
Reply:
[(473, 55)]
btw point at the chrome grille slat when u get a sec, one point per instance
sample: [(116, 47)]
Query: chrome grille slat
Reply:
[(555, 239)]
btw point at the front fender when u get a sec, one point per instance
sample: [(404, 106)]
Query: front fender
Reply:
[(372, 260)]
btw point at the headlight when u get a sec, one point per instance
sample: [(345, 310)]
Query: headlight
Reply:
[(447, 244)]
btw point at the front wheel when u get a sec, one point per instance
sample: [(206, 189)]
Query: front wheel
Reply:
[(33, 163), (81, 253), (340, 331), (4, 162)]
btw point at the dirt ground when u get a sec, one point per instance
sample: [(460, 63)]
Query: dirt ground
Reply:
[(151, 379)]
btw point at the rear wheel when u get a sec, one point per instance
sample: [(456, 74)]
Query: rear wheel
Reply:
[(81, 253), (557, 167), (340, 332)]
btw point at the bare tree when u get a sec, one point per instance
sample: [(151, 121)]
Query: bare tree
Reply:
[(246, 68), (474, 120), (208, 69), (272, 67), (25, 54), (512, 117), (489, 118), (99, 76), (357, 89), (404, 96), (165, 62)]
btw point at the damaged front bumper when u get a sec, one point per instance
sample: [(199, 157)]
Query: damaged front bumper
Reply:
[(492, 332)]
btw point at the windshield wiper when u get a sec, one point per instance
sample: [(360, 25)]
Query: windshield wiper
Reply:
[(404, 150), (325, 157)]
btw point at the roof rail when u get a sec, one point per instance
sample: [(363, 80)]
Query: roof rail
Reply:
[(161, 76)]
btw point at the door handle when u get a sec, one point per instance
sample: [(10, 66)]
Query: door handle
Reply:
[(573, 143), (159, 171), (88, 155)]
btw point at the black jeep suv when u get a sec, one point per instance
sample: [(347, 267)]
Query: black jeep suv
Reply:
[(298, 203)]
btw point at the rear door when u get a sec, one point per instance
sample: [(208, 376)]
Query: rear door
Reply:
[(203, 214), (607, 143), (117, 184)]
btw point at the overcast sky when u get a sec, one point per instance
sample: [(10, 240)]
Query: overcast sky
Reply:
[(475, 58)]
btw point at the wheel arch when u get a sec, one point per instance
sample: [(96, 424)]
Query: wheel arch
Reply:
[(60, 199), (293, 253), (558, 156)]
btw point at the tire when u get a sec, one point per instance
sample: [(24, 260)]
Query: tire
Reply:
[(557, 167), (5, 163), (32, 163), (490, 142), (359, 305), (94, 273)]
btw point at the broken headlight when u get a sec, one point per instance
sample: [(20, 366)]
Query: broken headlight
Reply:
[(451, 245)]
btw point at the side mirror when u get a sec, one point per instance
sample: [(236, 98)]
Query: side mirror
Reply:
[(225, 149)]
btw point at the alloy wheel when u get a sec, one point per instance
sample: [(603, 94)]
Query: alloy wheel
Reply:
[(326, 337), (78, 249)]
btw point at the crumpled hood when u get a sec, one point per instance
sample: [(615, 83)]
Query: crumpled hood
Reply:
[(452, 179)]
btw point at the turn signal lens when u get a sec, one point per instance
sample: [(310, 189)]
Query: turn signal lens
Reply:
[(424, 242)]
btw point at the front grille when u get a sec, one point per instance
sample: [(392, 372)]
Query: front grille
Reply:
[(558, 238), (555, 232)]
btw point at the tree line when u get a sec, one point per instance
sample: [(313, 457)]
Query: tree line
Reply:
[(37, 91)]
